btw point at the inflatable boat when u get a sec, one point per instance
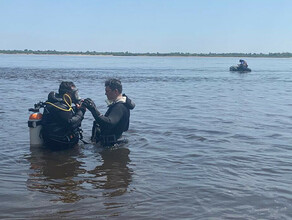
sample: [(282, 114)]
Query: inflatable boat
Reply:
[(240, 68)]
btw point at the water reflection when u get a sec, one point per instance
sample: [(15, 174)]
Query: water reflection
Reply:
[(55, 172), (113, 175), (64, 173)]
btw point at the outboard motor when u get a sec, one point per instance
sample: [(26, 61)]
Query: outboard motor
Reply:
[(35, 125)]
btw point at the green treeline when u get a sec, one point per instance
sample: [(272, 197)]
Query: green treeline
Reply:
[(54, 52)]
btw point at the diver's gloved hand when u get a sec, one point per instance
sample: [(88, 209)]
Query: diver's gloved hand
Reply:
[(90, 105)]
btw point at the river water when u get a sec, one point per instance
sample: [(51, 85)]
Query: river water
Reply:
[(204, 143)]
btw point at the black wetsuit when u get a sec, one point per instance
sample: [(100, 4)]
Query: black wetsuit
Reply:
[(60, 124), (113, 123)]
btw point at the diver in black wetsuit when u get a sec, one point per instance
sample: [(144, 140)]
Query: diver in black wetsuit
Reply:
[(61, 122), (243, 63), (107, 129)]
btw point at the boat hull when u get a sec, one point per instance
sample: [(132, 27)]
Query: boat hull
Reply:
[(239, 69)]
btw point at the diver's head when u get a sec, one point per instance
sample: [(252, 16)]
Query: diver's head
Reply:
[(70, 89), (113, 89)]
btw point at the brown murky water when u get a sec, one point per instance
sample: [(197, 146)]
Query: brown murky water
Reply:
[(204, 143)]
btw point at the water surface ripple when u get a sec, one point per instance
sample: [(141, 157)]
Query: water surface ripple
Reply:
[(204, 143)]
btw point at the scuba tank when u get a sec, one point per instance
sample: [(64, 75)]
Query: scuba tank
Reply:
[(35, 125), (39, 135)]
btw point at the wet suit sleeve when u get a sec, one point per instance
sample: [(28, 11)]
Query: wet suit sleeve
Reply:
[(71, 119), (112, 119)]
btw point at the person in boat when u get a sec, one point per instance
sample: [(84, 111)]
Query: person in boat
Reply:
[(61, 121), (243, 63), (108, 129)]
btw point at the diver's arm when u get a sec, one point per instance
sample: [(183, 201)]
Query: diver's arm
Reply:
[(71, 119), (76, 120), (115, 115), (112, 119)]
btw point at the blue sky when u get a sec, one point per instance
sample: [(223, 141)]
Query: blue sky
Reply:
[(195, 26)]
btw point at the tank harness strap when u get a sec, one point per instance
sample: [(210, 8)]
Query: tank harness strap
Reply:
[(33, 124), (64, 139), (81, 136), (95, 133)]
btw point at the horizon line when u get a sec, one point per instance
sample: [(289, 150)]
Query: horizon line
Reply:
[(127, 53)]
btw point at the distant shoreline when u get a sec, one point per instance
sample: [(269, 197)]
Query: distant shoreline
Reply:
[(173, 54)]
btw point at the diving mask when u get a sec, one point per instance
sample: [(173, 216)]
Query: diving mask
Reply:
[(75, 96)]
